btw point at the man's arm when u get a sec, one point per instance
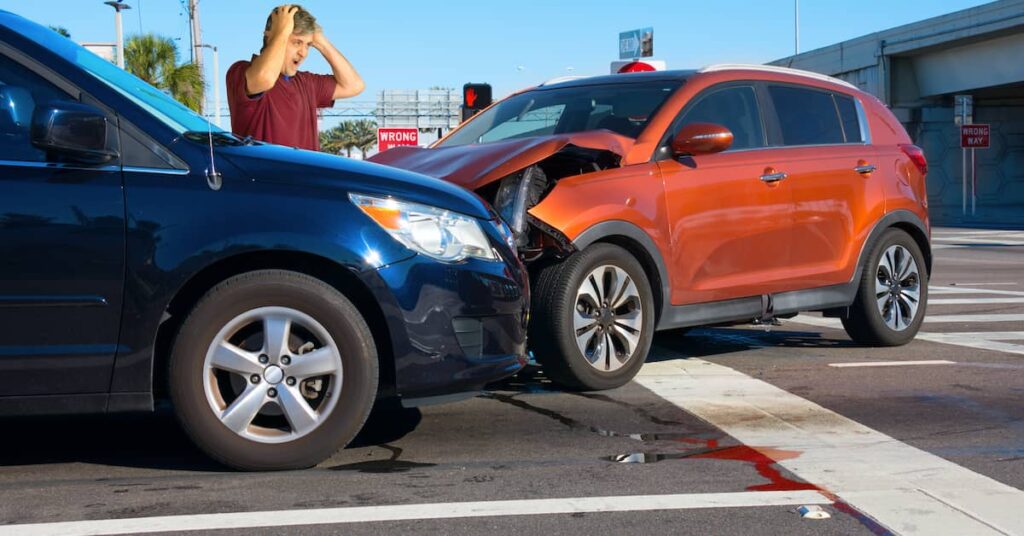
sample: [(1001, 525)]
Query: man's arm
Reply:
[(347, 82), (262, 74)]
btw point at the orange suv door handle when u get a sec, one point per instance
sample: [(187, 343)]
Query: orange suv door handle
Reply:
[(865, 169), (773, 177)]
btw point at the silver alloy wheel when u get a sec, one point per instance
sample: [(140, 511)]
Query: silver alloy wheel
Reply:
[(897, 288), (280, 390), (608, 318)]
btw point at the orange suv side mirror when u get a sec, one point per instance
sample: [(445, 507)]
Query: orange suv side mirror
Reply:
[(701, 138)]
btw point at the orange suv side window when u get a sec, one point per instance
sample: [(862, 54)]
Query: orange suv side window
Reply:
[(734, 108), (807, 116)]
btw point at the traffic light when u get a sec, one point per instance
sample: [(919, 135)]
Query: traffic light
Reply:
[(475, 97)]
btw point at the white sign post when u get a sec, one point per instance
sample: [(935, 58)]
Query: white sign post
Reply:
[(964, 115)]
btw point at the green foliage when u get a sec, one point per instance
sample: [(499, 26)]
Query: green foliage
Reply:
[(61, 30), (155, 59), (360, 134)]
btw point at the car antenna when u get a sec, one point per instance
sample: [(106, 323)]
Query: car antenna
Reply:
[(213, 179)]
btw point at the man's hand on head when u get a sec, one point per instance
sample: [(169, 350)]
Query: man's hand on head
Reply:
[(282, 20), (319, 39)]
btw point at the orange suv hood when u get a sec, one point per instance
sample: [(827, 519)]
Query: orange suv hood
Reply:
[(473, 166)]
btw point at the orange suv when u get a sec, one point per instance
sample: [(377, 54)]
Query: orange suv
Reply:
[(653, 201)]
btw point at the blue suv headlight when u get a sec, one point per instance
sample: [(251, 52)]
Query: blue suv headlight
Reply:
[(435, 232)]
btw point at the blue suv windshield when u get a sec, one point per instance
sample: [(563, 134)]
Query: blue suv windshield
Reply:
[(156, 102)]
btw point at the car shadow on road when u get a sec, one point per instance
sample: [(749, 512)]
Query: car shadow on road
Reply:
[(153, 441), (706, 342), (147, 441), (388, 422)]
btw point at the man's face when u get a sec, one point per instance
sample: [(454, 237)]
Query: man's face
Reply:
[(295, 53)]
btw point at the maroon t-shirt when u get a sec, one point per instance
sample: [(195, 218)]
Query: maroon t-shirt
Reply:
[(286, 113)]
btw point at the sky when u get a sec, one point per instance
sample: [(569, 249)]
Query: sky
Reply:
[(402, 44)]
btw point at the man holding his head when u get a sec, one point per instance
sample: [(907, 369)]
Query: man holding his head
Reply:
[(271, 99)]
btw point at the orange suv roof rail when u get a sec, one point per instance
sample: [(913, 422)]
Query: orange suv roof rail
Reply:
[(774, 69)]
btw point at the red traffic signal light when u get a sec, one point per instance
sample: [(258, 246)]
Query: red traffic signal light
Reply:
[(637, 67), (476, 96)]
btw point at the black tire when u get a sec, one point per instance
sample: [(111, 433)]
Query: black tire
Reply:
[(287, 291), (552, 331), (866, 324)]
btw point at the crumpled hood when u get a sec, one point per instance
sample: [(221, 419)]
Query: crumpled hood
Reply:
[(473, 166)]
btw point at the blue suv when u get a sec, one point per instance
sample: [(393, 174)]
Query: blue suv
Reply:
[(271, 294)]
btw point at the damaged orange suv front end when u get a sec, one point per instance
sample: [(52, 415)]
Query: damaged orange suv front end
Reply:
[(672, 199)]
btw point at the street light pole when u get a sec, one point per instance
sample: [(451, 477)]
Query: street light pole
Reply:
[(118, 7), (796, 26), (216, 83)]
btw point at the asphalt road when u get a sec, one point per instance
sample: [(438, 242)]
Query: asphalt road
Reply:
[(725, 431)]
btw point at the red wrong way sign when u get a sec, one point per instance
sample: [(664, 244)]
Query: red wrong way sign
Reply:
[(975, 136), (395, 137)]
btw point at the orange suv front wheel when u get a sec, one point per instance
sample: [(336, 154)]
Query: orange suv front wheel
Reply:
[(593, 318)]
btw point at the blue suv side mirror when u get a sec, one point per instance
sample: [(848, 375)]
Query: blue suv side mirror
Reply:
[(75, 131)]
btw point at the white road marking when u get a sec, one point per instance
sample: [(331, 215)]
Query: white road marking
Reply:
[(987, 241), (835, 323), (940, 233), (996, 317), (891, 363), (370, 514), (903, 488), (990, 335), (1003, 284), (973, 342), (939, 289), (972, 261), (977, 340), (974, 301)]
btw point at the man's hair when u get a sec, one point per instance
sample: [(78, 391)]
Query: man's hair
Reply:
[(305, 22)]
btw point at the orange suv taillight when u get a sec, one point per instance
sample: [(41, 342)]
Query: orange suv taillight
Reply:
[(916, 155)]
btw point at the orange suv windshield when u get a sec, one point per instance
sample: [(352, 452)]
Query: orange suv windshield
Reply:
[(621, 108)]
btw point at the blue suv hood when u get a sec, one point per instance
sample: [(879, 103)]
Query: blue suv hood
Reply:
[(275, 163)]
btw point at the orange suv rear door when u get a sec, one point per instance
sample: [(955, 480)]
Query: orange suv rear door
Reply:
[(831, 166)]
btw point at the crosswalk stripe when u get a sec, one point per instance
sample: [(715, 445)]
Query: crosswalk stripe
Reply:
[(985, 242), (939, 289), (953, 232), (972, 342), (908, 490), (860, 364), (977, 340), (975, 301), (837, 324), (400, 512), (990, 335), (995, 317)]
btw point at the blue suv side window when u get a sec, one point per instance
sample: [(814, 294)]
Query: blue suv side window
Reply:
[(21, 91)]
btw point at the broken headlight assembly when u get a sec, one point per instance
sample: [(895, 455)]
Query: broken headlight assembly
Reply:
[(516, 194)]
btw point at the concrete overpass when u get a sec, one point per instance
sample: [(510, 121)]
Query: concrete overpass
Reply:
[(917, 69)]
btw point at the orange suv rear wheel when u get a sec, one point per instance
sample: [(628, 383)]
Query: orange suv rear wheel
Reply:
[(893, 293)]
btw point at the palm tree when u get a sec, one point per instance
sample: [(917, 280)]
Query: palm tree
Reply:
[(338, 139), (364, 134), (155, 59)]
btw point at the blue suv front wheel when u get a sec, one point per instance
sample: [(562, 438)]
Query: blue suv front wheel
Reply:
[(273, 370)]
